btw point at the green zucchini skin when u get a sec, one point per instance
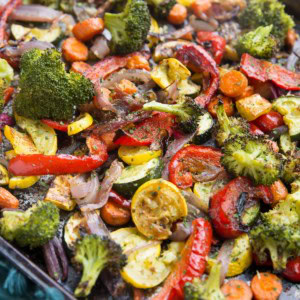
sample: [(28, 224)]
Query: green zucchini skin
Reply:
[(150, 170), (205, 129)]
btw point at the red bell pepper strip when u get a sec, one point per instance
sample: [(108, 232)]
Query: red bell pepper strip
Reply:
[(223, 207), (199, 60), (254, 129), (191, 161), (216, 43), (5, 13), (96, 145), (263, 71), (118, 199), (61, 126), (148, 131), (39, 164), (269, 121), (109, 65), (292, 270), (191, 264), (8, 93)]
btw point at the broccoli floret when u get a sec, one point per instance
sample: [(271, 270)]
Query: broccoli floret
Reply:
[(265, 13), (47, 90), (6, 76), (33, 227), (291, 169), (228, 126), (205, 290), (258, 43), (278, 233), (95, 253), (188, 112), (161, 8), (129, 28), (253, 157)]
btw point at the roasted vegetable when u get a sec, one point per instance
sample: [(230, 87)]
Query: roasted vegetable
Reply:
[(205, 290), (129, 28), (95, 253), (279, 232), (33, 227), (258, 43), (161, 8), (229, 126), (47, 90), (264, 13), (252, 156), (291, 169), (6, 75), (188, 112)]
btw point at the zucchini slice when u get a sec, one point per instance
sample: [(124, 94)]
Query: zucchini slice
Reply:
[(72, 230), (204, 130), (286, 144), (133, 177)]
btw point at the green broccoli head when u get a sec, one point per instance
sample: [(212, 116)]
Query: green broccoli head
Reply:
[(129, 28), (187, 111), (161, 8), (33, 227), (205, 290), (229, 126), (253, 157), (258, 43), (47, 90), (6, 76), (278, 233), (95, 253), (291, 169), (264, 13)]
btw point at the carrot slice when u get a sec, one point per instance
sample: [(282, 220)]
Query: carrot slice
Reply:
[(266, 286), (138, 61), (8, 200), (177, 14), (236, 289), (233, 83), (87, 29), (74, 50), (228, 106), (201, 6), (115, 215), (80, 67), (279, 191), (249, 91)]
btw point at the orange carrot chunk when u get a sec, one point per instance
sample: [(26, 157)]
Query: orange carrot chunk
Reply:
[(115, 215), (233, 83), (227, 102), (8, 200), (177, 14), (201, 6), (138, 61), (279, 191), (87, 29), (80, 67), (266, 286), (236, 289), (249, 91), (74, 50)]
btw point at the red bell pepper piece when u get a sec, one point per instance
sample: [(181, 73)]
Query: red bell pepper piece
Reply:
[(39, 164), (96, 145), (269, 121), (6, 11), (223, 207), (264, 192), (216, 44), (191, 264), (109, 65), (263, 71), (292, 270), (189, 161), (254, 129), (199, 60), (7, 94), (148, 131), (118, 199), (61, 126)]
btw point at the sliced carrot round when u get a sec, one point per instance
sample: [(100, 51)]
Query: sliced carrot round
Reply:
[(177, 14), (87, 29), (266, 286), (233, 83), (74, 50), (227, 102), (236, 289)]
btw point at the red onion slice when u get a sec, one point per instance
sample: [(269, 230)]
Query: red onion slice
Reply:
[(100, 47), (224, 258), (35, 13), (102, 100), (95, 224), (111, 175), (5, 119)]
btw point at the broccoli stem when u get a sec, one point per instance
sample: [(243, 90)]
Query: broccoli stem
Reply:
[(91, 270), (223, 118), (213, 281), (175, 109), (246, 159)]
